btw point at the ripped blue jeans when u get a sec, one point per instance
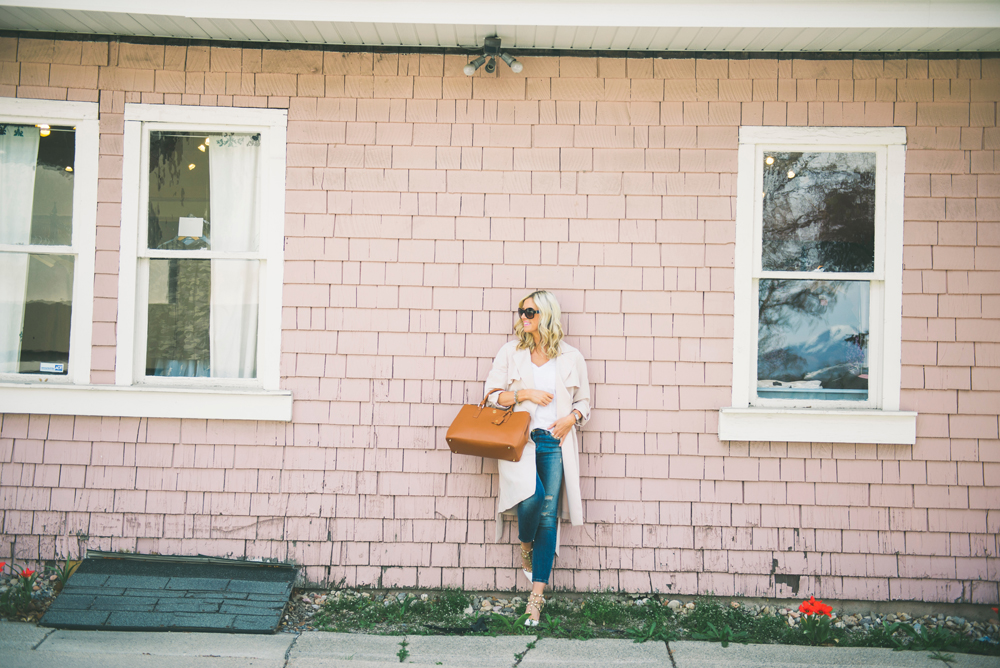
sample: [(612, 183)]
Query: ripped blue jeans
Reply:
[(538, 515)]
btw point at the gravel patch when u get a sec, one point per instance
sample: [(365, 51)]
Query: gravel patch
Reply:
[(44, 592)]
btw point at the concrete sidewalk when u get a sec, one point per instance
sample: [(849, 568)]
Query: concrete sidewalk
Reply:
[(29, 646)]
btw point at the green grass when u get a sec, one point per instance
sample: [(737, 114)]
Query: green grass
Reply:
[(609, 615), (347, 610)]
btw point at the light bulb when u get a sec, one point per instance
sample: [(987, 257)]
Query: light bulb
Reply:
[(201, 147), (43, 130), (68, 168), (511, 63), (769, 160), (191, 166), (471, 68), (791, 174)]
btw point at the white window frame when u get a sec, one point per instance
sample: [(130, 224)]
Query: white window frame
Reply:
[(84, 117), (877, 420), (259, 398)]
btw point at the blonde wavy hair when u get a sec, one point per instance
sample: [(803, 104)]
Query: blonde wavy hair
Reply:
[(549, 325)]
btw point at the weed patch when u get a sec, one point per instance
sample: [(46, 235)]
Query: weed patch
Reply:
[(403, 653), (642, 619)]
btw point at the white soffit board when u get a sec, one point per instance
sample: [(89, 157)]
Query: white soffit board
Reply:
[(639, 25)]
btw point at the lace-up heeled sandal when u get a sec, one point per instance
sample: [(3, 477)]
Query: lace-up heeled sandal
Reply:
[(535, 603), (526, 559)]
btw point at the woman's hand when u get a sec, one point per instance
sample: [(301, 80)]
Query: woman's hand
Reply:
[(561, 427), (535, 396)]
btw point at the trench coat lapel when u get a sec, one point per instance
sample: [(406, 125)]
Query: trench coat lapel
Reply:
[(565, 369)]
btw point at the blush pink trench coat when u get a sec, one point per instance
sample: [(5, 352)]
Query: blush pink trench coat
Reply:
[(513, 370)]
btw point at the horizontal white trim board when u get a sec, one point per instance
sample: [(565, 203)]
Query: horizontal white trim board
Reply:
[(225, 116), (804, 425), (839, 136), (146, 402), (53, 111), (826, 14)]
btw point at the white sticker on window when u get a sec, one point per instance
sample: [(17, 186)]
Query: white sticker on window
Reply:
[(190, 227), (51, 367)]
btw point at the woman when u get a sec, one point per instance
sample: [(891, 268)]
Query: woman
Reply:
[(541, 374)]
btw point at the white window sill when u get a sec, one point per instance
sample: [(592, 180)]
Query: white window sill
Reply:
[(804, 425), (143, 401)]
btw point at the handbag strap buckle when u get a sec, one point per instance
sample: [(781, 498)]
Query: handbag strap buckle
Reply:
[(503, 418)]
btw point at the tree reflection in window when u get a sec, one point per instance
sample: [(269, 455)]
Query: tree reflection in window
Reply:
[(818, 215), (813, 339), (819, 212)]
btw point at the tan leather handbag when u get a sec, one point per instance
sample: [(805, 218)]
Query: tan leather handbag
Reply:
[(485, 431)]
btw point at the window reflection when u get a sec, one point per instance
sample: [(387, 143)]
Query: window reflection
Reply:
[(813, 340), (36, 208), (178, 192), (36, 291), (202, 314), (52, 211), (178, 336), (182, 305), (819, 212), (188, 174)]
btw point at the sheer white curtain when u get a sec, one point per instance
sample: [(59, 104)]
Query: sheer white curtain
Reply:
[(233, 198), (18, 157)]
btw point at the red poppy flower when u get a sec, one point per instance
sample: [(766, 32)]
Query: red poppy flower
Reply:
[(3, 564), (27, 573), (814, 607)]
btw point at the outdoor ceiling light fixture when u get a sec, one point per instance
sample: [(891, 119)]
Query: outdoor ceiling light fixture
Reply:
[(491, 50)]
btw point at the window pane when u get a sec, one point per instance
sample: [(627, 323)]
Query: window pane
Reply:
[(177, 341), (819, 212), (52, 213), (36, 170), (202, 318), (203, 191), (36, 300), (813, 340)]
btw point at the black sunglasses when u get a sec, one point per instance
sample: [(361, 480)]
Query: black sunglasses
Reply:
[(528, 313)]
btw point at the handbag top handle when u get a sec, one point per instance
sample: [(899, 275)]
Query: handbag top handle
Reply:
[(482, 404), (506, 413)]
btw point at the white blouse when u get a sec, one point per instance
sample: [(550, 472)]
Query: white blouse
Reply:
[(545, 380)]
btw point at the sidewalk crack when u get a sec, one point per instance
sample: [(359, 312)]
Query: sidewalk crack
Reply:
[(519, 656), (670, 654), (288, 652), (38, 644)]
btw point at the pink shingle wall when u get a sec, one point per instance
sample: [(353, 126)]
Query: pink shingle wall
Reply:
[(421, 205)]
